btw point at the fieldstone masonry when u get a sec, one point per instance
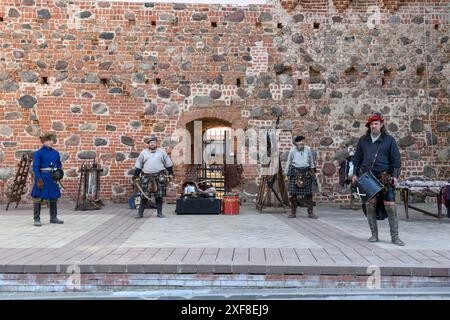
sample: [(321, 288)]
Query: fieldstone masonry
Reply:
[(105, 75)]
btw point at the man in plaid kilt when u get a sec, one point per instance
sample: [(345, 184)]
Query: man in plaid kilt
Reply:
[(150, 169), (300, 168)]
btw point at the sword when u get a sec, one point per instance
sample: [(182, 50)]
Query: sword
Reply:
[(60, 183), (138, 185), (358, 194)]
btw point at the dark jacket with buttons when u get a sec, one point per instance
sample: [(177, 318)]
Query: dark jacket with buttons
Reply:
[(388, 158)]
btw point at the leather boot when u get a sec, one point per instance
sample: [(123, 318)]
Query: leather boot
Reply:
[(37, 214), (159, 204), (310, 206), (142, 206), (372, 219), (393, 224), (54, 213), (294, 204)]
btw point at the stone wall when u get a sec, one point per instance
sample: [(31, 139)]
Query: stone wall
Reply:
[(105, 75)]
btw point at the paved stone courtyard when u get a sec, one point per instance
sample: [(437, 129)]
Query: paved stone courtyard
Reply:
[(112, 241)]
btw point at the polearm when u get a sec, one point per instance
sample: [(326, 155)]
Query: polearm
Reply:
[(272, 181)]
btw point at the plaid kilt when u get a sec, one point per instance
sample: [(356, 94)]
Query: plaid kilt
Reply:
[(160, 192), (306, 190)]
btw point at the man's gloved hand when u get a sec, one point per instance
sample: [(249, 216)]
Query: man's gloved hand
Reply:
[(136, 174), (40, 184)]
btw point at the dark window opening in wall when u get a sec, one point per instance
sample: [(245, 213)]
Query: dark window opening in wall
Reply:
[(1, 19), (213, 24), (153, 23), (316, 25), (157, 81), (383, 82), (314, 72), (279, 25), (146, 81), (351, 71), (299, 82), (386, 72), (104, 81), (436, 26), (238, 82), (258, 24), (43, 80), (420, 71)]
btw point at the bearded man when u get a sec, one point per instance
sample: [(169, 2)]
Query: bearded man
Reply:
[(377, 151)]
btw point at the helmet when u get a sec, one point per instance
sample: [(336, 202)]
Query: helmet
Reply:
[(190, 189), (57, 174)]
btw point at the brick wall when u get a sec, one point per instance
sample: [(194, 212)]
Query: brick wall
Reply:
[(106, 75)]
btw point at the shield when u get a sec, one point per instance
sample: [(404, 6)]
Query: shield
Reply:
[(367, 187), (57, 174)]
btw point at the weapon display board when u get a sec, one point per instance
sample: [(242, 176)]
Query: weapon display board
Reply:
[(89, 188)]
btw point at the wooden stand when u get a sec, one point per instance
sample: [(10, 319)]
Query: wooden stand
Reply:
[(267, 187), (89, 188), (20, 181)]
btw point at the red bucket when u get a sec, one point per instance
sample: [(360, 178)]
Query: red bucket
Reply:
[(230, 204)]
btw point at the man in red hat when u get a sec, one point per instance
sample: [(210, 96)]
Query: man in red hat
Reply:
[(377, 152)]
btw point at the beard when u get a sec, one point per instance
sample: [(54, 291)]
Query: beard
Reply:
[(375, 132)]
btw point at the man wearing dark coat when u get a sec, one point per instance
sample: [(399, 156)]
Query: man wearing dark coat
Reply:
[(45, 161), (150, 169), (377, 151)]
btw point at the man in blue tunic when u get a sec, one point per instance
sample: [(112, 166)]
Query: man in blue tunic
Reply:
[(45, 161)]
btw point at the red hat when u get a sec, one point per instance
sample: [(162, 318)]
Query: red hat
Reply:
[(375, 117)]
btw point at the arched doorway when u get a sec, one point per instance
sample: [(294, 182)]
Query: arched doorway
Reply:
[(214, 152)]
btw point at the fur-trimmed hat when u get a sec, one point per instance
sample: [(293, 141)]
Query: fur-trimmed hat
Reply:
[(48, 136), (299, 138)]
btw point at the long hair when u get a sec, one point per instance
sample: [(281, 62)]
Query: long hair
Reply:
[(383, 130)]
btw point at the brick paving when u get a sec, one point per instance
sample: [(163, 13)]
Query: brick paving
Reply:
[(112, 241)]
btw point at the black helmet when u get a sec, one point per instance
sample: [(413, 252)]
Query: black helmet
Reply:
[(57, 174)]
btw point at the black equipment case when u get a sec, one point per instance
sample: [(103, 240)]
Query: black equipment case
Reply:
[(198, 206)]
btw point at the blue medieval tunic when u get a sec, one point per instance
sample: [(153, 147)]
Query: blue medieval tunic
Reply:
[(46, 158)]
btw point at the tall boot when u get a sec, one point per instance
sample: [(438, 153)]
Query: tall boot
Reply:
[(310, 207), (372, 219), (294, 204), (141, 209), (54, 213), (159, 204), (393, 224), (37, 214)]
